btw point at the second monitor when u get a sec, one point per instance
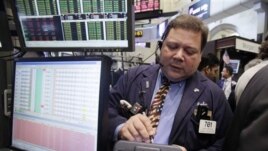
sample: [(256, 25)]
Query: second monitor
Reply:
[(59, 103)]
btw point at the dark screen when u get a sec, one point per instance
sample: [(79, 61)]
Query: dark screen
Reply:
[(75, 24)]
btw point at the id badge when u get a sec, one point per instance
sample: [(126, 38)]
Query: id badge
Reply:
[(207, 126)]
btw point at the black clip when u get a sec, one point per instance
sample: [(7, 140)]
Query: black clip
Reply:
[(130, 110), (202, 112)]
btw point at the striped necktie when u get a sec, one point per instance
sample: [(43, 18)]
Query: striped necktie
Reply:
[(158, 102)]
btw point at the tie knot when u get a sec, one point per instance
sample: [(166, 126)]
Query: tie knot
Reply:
[(165, 81)]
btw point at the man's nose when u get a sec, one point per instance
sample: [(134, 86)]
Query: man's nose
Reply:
[(179, 54)]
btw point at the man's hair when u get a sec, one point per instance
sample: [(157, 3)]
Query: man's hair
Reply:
[(190, 23), (210, 60), (229, 69), (264, 50)]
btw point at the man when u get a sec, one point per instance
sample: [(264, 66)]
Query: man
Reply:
[(251, 68), (227, 84), (209, 66), (247, 75), (249, 127), (191, 101)]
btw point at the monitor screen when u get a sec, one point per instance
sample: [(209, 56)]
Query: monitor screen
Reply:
[(59, 103), (146, 5), (94, 25), (161, 28), (234, 63)]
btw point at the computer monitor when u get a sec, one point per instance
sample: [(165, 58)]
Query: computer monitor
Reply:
[(161, 28), (146, 5), (64, 25), (234, 63), (5, 35), (60, 103)]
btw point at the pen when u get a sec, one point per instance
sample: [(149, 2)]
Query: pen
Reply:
[(151, 137), (135, 109)]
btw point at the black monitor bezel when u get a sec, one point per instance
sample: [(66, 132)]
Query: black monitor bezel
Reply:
[(105, 82), (130, 35), (5, 36)]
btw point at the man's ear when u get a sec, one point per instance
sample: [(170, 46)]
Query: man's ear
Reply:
[(207, 69)]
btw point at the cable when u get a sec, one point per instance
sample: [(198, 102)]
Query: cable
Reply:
[(148, 57), (11, 55), (18, 56)]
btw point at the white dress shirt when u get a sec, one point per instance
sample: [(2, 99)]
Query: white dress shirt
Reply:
[(227, 87)]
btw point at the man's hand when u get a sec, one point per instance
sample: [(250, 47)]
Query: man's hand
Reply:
[(181, 147), (137, 128)]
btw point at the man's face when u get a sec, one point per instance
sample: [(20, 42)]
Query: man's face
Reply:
[(180, 54), (225, 73), (212, 72)]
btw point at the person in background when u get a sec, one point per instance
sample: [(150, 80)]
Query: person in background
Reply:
[(227, 84), (209, 66), (250, 69), (252, 63), (249, 126), (195, 113)]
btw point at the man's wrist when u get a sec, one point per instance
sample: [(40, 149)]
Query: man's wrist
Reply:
[(117, 130)]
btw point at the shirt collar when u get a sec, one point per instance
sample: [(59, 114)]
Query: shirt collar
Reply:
[(164, 78), (229, 79)]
